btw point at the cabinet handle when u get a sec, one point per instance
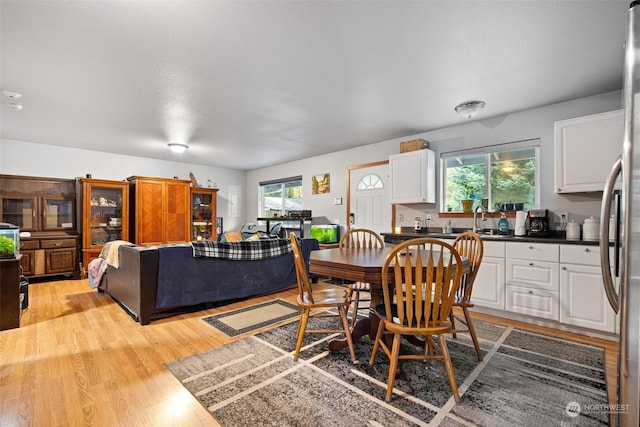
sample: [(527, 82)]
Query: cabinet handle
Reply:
[(587, 250), (58, 243), (530, 264), (530, 292), (564, 267), (531, 247)]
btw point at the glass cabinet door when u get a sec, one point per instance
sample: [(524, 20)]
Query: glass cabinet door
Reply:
[(203, 205), (105, 214), (58, 214), (21, 212)]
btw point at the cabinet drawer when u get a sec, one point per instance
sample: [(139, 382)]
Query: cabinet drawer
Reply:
[(534, 274), (534, 251), (29, 244), (533, 302), (579, 254), (58, 243)]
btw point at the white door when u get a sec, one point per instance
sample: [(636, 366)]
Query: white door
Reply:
[(368, 205)]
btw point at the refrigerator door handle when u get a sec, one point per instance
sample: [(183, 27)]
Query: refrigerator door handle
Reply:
[(605, 213)]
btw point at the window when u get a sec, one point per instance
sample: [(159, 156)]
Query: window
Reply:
[(505, 174), (370, 182), (281, 196)]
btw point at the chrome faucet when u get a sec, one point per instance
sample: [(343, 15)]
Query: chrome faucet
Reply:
[(476, 228)]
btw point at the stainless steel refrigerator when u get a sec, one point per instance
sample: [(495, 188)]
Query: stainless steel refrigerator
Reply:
[(621, 275)]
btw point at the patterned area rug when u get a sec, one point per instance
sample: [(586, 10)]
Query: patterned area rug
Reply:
[(252, 318), (525, 379)]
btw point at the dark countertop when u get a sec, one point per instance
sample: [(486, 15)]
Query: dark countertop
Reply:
[(554, 237)]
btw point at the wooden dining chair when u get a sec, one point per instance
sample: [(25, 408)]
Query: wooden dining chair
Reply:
[(468, 245), (319, 300), (360, 238), (417, 301)]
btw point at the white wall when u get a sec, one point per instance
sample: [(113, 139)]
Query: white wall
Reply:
[(31, 159), (534, 123)]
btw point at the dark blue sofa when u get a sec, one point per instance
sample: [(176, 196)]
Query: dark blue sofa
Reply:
[(157, 282)]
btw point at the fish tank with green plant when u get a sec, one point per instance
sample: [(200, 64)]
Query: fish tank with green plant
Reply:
[(9, 240), (327, 233)]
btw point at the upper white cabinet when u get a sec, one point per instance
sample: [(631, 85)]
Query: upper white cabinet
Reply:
[(585, 149), (413, 177)]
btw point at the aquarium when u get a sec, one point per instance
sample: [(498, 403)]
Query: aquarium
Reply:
[(9, 240), (328, 233)]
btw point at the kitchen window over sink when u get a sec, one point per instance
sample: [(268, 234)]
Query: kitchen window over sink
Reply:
[(506, 174)]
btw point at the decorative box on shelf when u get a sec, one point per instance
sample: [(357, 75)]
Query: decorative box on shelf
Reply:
[(413, 145)]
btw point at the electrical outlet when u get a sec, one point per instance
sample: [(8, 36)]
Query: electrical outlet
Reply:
[(428, 217), (337, 200), (563, 217), (400, 217)]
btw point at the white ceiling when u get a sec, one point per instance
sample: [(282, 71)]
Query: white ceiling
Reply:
[(249, 84)]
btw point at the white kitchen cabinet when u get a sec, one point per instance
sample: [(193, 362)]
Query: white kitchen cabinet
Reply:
[(489, 286), (583, 301), (585, 149), (532, 279), (413, 177)]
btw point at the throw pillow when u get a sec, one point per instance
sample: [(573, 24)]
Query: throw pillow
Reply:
[(233, 236), (254, 237)]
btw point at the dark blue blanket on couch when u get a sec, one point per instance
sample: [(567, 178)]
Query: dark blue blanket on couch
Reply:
[(184, 280)]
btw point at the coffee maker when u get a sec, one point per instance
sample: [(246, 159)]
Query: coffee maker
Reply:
[(538, 223)]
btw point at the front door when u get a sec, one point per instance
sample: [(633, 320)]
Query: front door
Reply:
[(368, 203)]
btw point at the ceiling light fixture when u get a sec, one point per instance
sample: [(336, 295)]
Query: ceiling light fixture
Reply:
[(470, 108), (178, 148), (10, 94)]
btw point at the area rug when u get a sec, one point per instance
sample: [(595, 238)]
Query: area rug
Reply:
[(252, 318), (525, 379)]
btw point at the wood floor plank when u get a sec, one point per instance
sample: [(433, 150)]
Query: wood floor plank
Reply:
[(79, 359)]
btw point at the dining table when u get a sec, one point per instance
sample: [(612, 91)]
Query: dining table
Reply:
[(359, 265)]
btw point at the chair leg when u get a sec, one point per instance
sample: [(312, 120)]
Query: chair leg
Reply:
[(376, 343), (347, 332), (472, 332), (448, 366), (302, 327), (393, 365), (356, 304), (452, 319)]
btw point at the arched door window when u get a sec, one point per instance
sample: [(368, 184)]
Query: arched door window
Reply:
[(370, 182)]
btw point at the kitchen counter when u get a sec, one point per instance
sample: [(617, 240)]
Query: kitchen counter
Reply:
[(555, 237)]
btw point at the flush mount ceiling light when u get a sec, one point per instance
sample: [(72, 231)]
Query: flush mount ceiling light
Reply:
[(469, 109), (11, 95), (178, 148)]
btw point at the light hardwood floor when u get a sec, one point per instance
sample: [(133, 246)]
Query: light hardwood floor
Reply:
[(79, 359)]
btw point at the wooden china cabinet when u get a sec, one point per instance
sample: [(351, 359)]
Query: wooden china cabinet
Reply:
[(45, 210), (203, 213), (105, 215), (160, 210)]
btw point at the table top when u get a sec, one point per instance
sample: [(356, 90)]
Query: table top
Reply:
[(363, 264)]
